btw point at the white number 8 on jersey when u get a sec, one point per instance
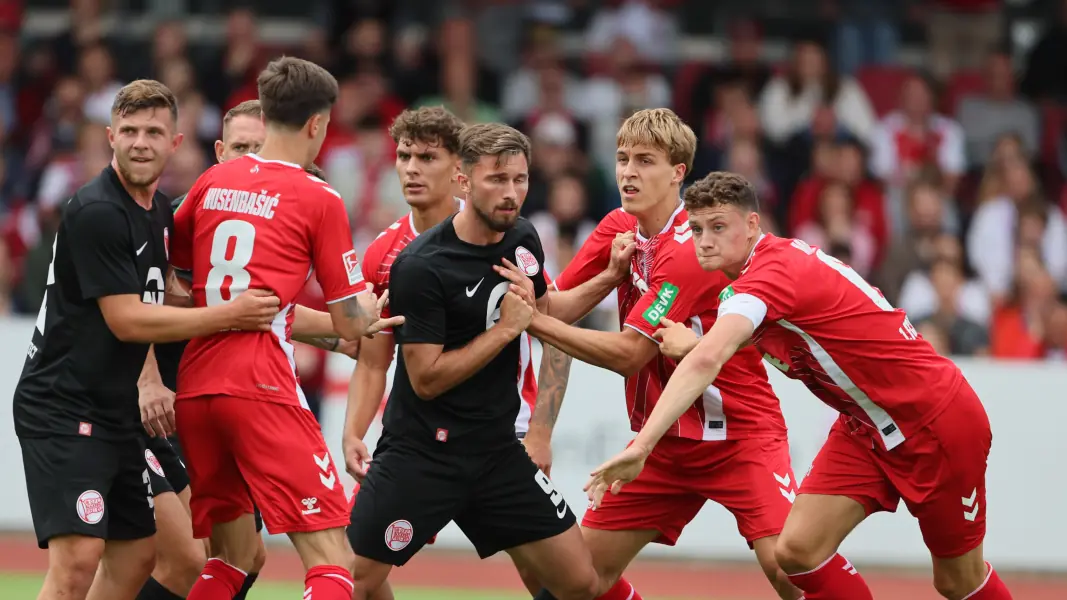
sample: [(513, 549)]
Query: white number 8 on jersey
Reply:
[(244, 235)]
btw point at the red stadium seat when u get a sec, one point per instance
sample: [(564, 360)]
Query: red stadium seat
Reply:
[(960, 85)]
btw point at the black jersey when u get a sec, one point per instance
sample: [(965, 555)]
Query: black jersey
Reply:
[(169, 355), (449, 294), (78, 377)]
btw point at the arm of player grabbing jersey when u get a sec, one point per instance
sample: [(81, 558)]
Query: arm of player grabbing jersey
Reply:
[(624, 352), (177, 291), (365, 392), (315, 328)]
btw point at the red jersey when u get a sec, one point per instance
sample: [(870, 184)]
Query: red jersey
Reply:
[(378, 260), (820, 323), (667, 281), (256, 223)]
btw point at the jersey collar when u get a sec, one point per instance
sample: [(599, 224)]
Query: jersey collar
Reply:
[(255, 156), (411, 215), (667, 227)]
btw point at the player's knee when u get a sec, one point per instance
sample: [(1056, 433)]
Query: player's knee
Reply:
[(795, 554), (581, 585), (73, 562), (260, 558), (180, 566)]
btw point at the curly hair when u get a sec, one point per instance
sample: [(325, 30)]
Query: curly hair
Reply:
[(721, 188), (430, 125)]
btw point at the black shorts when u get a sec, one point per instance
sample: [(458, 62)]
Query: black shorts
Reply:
[(179, 454), (88, 486), (166, 471), (500, 500)]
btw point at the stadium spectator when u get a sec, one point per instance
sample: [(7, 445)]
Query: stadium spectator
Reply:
[(835, 228), (1017, 329), (743, 67), (987, 116), (790, 101), (960, 32)]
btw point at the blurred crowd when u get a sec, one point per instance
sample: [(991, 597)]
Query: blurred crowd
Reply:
[(944, 187)]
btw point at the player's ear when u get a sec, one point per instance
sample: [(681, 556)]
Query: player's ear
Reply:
[(753, 222), (464, 182), (679, 174), (176, 141), (111, 137), (219, 147)]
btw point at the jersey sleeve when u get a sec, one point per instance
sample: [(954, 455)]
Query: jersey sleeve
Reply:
[(415, 292), (592, 258), (370, 266), (102, 252), (766, 290), (332, 255), (674, 287), (181, 243)]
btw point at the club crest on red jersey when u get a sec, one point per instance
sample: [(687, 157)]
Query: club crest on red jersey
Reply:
[(525, 260)]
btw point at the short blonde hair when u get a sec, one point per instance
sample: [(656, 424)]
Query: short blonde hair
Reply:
[(144, 94), (660, 128), (248, 108)]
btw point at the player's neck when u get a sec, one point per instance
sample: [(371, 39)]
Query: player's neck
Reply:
[(652, 221), (473, 230), (734, 271), (142, 195), (425, 217), (283, 147)]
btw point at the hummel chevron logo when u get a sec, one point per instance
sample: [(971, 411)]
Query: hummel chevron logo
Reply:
[(848, 567), (324, 466), (785, 482), (969, 502)]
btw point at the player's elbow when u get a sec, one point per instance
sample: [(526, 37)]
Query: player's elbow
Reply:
[(629, 364), (425, 388), (121, 319)]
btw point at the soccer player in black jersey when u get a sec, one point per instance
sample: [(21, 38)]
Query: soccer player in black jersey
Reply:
[(448, 450), (75, 406)]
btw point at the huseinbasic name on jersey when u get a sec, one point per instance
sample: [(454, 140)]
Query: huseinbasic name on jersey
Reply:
[(245, 202)]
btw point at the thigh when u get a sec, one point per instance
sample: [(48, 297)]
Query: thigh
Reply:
[(285, 463), (130, 499), (754, 480), (67, 481), (405, 499), (846, 466), (941, 476), (219, 492), (512, 503), (659, 500), (158, 483)]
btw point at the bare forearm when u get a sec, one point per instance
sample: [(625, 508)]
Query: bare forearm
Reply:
[(456, 366), (551, 388), (573, 304), (328, 344), (150, 371), (693, 375), (309, 324), (364, 397), (599, 348), (147, 323)]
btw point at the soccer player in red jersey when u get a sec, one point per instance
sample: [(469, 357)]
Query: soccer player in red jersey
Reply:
[(260, 221), (730, 445), (911, 427)]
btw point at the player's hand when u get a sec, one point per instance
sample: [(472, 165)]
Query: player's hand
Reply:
[(516, 276), (254, 310), (357, 457), (540, 450), (515, 313), (621, 469), (157, 409), (348, 348), (622, 250), (375, 308), (675, 339)]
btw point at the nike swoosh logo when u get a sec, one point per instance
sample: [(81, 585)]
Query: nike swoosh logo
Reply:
[(561, 511), (470, 292), (141, 249)]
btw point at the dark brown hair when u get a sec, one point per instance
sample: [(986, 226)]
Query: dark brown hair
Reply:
[(144, 94), (315, 171), (721, 188), (292, 90), (491, 139), (430, 125)]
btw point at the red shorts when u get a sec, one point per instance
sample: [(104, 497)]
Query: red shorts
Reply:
[(750, 478), (939, 471), (352, 506), (244, 453)]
